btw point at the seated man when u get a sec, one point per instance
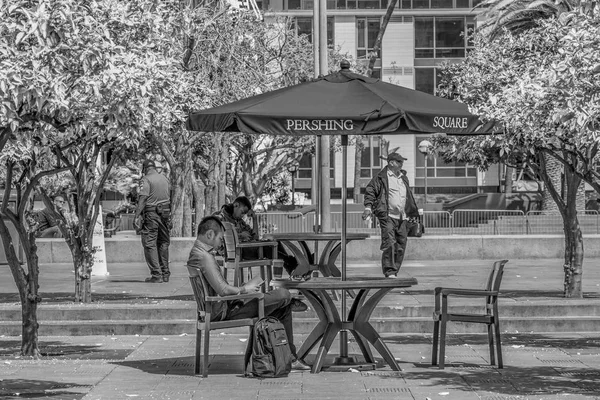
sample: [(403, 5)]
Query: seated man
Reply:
[(48, 227), (278, 302), (234, 213)]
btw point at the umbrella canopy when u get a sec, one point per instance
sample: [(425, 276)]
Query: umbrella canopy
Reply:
[(342, 103)]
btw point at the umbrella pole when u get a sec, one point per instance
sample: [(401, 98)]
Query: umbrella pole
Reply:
[(343, 359)]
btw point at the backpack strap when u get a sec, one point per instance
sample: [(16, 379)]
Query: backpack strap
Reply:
[(248, 354)]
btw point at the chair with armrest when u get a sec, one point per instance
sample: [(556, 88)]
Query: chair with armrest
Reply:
[(204, 324), (233, 258), (441, 316)]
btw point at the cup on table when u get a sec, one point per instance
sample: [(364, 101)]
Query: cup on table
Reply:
[(277, 271)]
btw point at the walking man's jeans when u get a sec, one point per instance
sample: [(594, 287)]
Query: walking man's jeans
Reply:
[(156, 240), (393, 244)]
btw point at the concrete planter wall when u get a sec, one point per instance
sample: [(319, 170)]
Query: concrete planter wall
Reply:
[(127, 250)]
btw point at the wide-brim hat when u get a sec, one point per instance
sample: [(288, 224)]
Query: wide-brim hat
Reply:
[(394, 157)]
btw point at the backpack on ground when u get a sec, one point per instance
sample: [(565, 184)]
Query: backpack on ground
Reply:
[(270, 356)]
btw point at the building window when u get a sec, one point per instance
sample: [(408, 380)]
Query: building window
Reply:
[(426, 79), (437, 4), (370, 163), (305, 166), (437, 168), (367, 30), (442, 37), (304, 25)]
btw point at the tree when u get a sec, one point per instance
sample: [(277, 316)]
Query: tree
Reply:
[(517, 17), (542, 86), (76, 79)]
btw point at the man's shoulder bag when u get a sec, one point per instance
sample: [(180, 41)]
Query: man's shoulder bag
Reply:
[(271, 356), (414, 227)]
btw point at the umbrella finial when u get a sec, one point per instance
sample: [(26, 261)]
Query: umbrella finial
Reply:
[(344, 64)]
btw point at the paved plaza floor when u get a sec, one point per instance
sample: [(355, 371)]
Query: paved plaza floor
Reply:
[(537, 365), (548, 366)]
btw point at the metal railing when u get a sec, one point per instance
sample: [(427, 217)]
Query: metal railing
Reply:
[(457, 222)]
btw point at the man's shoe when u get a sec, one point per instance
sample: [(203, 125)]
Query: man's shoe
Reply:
[(165, 278), (154, 279), (298, 306), (394, 276), (300, 365)]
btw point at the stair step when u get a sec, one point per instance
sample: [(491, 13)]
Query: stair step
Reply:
[(304, 326), (184, 311)]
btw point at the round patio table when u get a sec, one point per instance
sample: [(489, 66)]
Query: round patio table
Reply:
[(297, 244), (318, 292)]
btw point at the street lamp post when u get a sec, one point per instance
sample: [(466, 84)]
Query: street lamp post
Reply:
[(424, 147), (292, 169)]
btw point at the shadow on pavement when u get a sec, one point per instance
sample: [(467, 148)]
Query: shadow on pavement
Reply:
[(512, 380), (219, 364), (67, 297), (37, 389), (65, 351)]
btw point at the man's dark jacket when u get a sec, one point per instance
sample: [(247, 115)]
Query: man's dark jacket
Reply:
[(376, 196)]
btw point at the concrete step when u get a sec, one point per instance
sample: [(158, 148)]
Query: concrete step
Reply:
[(304, 326), (121, 319)]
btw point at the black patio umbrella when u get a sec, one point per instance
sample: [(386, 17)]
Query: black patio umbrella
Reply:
[(342, 103)]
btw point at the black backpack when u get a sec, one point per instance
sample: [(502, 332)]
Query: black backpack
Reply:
[(271, 356)]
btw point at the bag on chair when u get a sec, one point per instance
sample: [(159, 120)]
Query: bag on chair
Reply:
[(271, 355)]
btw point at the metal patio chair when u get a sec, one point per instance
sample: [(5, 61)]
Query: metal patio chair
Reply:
[(441, 316), (205, 310)]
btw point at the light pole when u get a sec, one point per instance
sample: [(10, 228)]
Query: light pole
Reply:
[(424, 147), (292, 169)]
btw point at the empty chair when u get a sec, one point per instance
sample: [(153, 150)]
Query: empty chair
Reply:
[(204, 324), (489, 316), (233, 257)]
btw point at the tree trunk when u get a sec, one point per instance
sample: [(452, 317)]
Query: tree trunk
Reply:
[(554, 170), (565, 198), (508, 180), (222, 181), (187, 211), (377, 45), (27, 285), (198, 189), (83, 271), (573, 266), (178, 192)]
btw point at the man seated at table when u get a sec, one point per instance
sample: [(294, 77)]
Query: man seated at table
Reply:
[(234, 213), (48, 225), (278, 302)]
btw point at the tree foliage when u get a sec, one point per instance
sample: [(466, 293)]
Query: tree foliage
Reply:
[(542, 86)]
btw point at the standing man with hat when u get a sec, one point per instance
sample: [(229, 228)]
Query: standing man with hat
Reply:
[(153, 218), (389, 198)]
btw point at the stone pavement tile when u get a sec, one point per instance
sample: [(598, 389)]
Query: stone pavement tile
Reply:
[(436, 393)]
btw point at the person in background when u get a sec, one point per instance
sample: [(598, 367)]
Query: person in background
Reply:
[(277, 302), (48, 226), (153, 220), (234, 213), (389, 198)]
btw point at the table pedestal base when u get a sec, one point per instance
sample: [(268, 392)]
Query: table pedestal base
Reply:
[(330, 325), (349, 360)]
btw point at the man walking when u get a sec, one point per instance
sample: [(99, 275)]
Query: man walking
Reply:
[(389, 198), (153, 218)]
